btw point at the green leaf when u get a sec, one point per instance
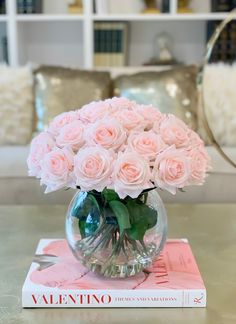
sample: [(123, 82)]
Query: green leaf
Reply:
[(82, 224), (142, 218), (109, 195), (85, 204), (87, 210), (121, 213), (109, 216), (88, 226)]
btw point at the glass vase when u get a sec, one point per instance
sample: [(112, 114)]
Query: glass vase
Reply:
[(114, 237)]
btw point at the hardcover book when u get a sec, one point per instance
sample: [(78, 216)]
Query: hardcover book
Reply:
[(110, 44), (57, 279)]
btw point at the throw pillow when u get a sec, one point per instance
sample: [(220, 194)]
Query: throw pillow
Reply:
[(59, 89), (220, 103), (172, 91)]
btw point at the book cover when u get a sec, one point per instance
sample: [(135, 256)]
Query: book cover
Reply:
[(57, 279)]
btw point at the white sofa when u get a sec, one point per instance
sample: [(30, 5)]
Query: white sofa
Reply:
[(17, 188)]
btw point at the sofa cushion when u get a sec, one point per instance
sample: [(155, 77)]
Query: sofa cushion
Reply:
[(59, 89), (172, 91)]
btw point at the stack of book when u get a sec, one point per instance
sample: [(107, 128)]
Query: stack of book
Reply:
[(2, 7), (29, 6), (225, 47), (110, 44)]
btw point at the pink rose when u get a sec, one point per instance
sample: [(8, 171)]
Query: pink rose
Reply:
[(61, 120), (94, 111), (199, 165), (40, 146), (130, 119), (131, 175), (195, 140), (151, 114), (147, 144), (119, 103), (171, 169), (93, 167), (174, 131), (108, 133), (71, 135), (57, 167)]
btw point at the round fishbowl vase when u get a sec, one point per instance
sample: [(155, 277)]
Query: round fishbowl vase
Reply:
[(116, 239)]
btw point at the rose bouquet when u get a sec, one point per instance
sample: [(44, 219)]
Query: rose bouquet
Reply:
[(116, 151)]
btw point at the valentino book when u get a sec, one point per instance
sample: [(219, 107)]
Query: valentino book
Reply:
[(57, 279)]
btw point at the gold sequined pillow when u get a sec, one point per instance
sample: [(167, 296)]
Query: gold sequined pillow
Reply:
[(172, 91), (16, 105), (59, 89)]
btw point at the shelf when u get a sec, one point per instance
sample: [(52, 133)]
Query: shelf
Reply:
[(44, 17), (162, 17)]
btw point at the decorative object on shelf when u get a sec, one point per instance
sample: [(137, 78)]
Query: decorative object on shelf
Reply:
[(183, 6), (117, 153), (110, 44), (150, 7), (75, 6), (202, 77), (29, 6), (57, 89), (163, 52), (173, 91), (16, 105)]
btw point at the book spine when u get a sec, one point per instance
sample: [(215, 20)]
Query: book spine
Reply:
[(220, 5), (5, 49), (20, 6), (29, 6), (165, 6), (233, 4), (37, 6), (115, 298), (2, 7)]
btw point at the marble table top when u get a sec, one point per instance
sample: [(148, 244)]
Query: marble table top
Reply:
[(211, 230)]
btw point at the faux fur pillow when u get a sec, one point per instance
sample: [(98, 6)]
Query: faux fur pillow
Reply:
[(220, 103), (16, 105)]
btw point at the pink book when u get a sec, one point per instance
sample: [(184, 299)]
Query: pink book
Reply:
[(57, 279)]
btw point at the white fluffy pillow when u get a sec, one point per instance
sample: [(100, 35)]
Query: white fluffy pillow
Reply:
[(220, 102), (16, 105)]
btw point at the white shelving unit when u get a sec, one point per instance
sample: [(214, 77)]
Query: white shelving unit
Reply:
[(67, 39)]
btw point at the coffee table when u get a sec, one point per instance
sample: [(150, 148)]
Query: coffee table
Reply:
[(211, 230)]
